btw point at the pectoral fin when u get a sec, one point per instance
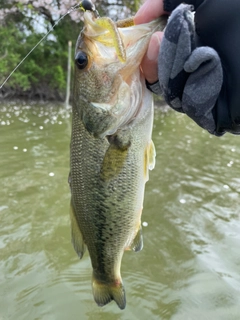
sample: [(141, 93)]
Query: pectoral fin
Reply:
[(77, 238), (113, 162)]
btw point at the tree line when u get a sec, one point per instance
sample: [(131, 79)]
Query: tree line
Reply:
[(22, 25)]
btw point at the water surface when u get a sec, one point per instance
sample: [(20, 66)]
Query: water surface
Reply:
[(190, 265)]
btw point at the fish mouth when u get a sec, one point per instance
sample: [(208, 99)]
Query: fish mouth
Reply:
[(117, 42)]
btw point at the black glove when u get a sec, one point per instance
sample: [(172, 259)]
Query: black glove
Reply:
[(190, 77)]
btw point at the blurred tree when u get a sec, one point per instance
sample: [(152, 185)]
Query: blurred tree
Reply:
[(23, 23)]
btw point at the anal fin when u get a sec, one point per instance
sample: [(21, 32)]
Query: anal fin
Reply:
[(137, 243), (149, 159), (151, 156)]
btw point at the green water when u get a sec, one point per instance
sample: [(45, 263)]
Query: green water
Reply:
[(189, 267)]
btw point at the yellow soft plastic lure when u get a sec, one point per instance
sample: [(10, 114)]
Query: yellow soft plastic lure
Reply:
[(111, 26)]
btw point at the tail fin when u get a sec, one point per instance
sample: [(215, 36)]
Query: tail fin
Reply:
[(106, 292)]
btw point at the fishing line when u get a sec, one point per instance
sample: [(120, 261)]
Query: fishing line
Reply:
[(51, 29)]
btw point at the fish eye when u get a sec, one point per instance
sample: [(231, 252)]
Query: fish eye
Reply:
[(81, 60)]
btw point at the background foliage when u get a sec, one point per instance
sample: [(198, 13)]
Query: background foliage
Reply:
[(23, 23)]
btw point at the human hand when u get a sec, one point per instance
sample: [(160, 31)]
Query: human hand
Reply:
[(151, 10)]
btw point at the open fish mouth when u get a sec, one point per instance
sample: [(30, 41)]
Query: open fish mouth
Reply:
[(115, 41)]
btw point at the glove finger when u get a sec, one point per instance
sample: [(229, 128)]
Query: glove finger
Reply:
[(177, 44), (202, 87)]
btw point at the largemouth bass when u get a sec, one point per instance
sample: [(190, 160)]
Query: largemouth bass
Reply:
[(111, 147)]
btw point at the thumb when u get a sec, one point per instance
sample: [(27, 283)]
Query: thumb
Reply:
[(150, 60)]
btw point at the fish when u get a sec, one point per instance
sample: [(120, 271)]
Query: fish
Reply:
[(111, 149)]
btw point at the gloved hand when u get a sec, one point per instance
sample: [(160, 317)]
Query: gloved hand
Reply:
[(190, 77)]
